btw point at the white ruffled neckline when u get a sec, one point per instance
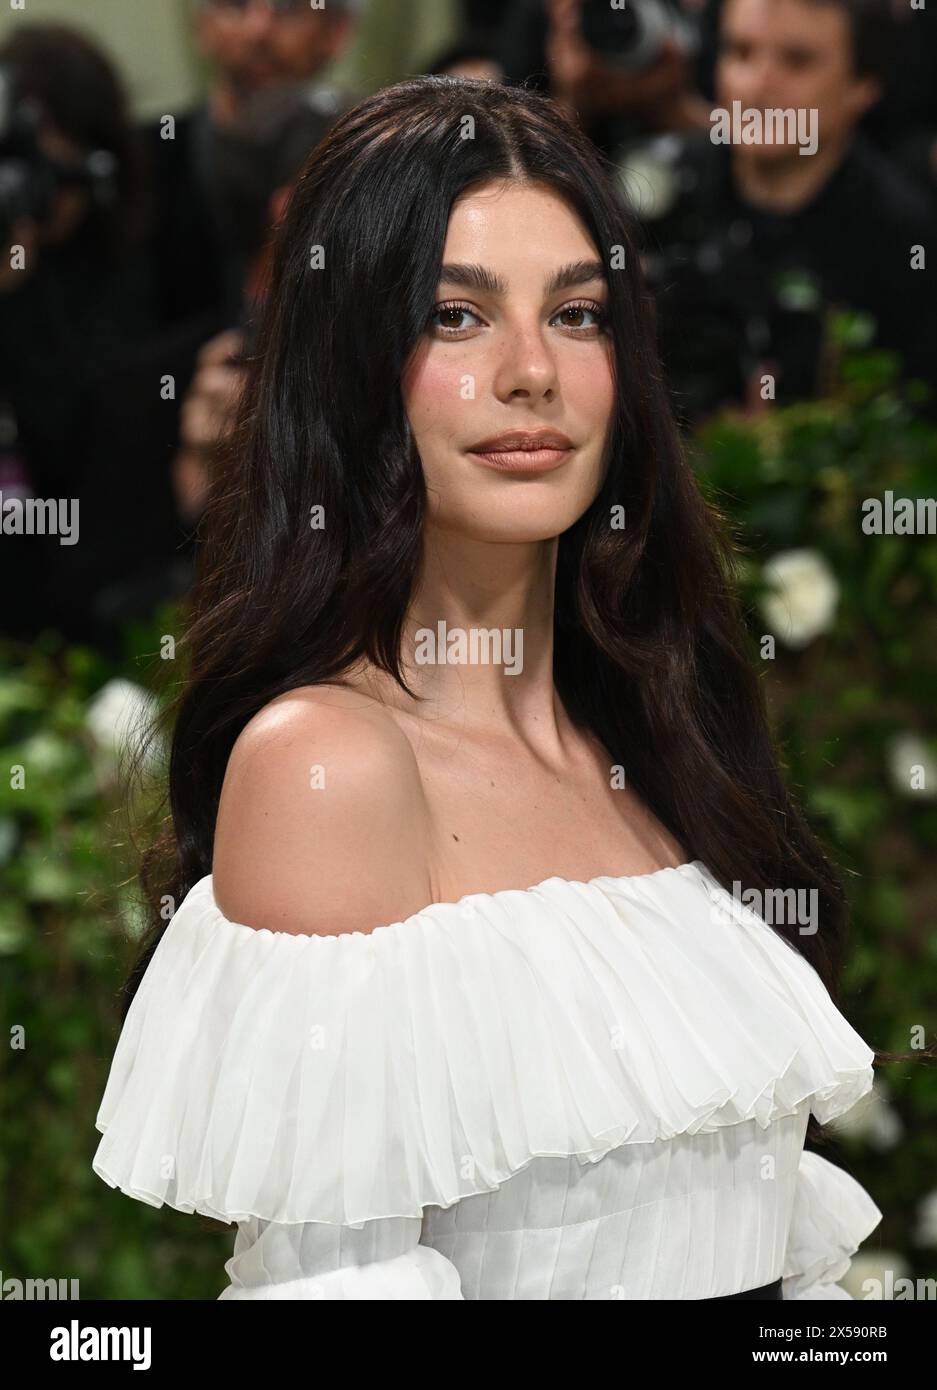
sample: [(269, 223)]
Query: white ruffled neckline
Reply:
[(349, 1077), (615, 881)]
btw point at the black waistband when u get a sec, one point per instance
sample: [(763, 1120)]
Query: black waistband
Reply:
[(766, 1291)]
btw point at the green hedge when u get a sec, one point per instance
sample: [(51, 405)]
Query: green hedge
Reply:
[(855, 709), (69, 924)]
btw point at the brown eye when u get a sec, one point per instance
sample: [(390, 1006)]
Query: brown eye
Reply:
[(450, 318), (574, 314)]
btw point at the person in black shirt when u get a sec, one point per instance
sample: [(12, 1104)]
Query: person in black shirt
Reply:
[(615, 70), (218, 181), (902, 47), (85, 427), (215, 168), (763, 240)]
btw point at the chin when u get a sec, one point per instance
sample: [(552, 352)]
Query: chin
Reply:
[(767, 154), (518, 522)]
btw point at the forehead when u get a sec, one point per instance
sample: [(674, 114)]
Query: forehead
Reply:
[(514, 220), (804, 23)]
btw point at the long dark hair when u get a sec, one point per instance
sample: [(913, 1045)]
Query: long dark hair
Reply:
[(650, 651)]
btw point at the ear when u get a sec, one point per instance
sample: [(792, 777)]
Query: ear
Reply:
[(864, 94), (339, 33), (204, 31)]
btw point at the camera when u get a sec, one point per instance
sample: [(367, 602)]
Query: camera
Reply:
[(632, 33), (30, 178)]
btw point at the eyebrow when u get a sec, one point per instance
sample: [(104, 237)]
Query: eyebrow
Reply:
[(477, 277)]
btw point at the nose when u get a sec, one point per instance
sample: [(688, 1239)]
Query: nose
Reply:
[(259, 17), (526, 367), (755, 80)]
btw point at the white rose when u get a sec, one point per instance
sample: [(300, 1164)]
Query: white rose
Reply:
[(925, 1230), (648, 178), (872, 1119), (874, 1274), (908, 751), (118, 716), (803, 596)]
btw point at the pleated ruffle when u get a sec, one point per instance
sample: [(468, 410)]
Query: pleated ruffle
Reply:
[(366, 1075), (832, 1216)]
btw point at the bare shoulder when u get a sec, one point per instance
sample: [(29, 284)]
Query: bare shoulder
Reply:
[(322, 826)]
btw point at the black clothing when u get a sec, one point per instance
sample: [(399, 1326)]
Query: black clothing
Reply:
[(753, 286), (211, 194), (81, 372), (766, 1292)]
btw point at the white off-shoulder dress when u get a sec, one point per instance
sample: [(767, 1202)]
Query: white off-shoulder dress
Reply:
[(579, 1090)]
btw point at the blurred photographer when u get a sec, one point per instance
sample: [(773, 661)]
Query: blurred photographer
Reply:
[(619, 71), (752, 239), (81, 420), (218, 185), (215, 168)]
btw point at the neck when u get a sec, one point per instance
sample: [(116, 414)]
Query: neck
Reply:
[(477, 646), (225, 102), (786, 185)]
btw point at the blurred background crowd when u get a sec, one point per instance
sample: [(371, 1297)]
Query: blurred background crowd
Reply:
[(147, 148), (143, 233)]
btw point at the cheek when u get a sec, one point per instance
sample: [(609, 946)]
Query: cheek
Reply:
[(441, 397), (832, 100), (731, 78), (437, 396), (588, 385), (293, 56)]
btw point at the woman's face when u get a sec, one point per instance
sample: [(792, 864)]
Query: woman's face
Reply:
[(516, 346)]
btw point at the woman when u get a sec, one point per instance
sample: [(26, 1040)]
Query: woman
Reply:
[(463, 625)]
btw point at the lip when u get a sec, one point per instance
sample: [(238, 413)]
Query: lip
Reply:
[(526, 451), (517, 441)]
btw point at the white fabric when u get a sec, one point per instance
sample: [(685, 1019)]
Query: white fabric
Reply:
[(575, 1090), (832, 1215)]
